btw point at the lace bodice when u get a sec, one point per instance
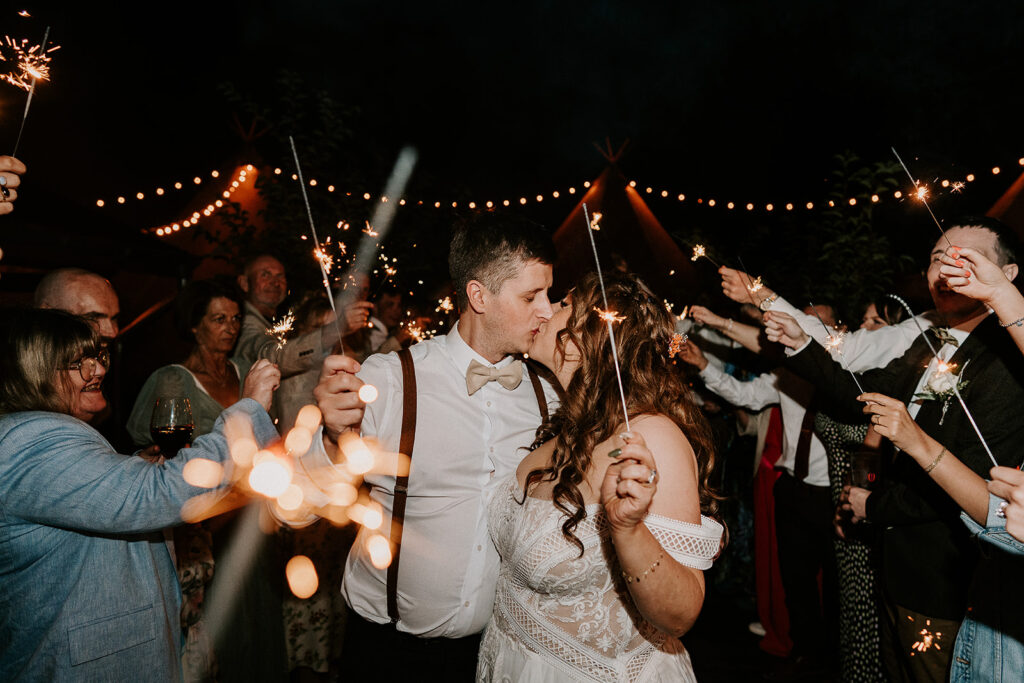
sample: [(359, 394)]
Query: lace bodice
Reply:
[(575, 611)]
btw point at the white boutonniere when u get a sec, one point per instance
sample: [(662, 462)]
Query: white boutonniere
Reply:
[(943, 384)]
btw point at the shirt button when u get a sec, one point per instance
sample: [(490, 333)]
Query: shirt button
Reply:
[(479, 547), (488, 404), (466, 603), (492, 449)]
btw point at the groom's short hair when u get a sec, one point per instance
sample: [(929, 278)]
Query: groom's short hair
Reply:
[(492, 247)]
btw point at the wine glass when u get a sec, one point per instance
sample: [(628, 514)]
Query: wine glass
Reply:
[(171, 425)]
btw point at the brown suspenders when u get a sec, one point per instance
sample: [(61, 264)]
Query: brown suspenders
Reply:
[(406, 447)]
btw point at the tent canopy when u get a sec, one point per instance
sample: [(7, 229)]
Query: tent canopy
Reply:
[(628, 231)]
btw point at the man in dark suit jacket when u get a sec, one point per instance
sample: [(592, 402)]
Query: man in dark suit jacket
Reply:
[(927, 557)]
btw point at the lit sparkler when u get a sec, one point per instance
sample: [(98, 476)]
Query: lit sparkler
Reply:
[(928, 639), (938, 363), (957, 187), (316, 240), (923, 196), (699, 251), (325, 259), (595, 221), (445, 305), (686, 312), (608, 312), (756, 286), (32, 66), (835, 343), (280, 328), (370, 231), (609, 316)]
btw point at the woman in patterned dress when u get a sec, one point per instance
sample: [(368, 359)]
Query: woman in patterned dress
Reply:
[(601, 536)]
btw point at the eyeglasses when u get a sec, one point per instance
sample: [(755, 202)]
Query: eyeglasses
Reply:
[(87, 366)]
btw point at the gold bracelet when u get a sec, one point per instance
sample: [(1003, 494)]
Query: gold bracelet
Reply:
[(649, 570), (942, 454)]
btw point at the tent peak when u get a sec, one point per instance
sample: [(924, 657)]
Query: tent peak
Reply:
[(610, 156)]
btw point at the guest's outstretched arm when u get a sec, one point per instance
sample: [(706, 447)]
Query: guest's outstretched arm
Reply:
[(747, 336)]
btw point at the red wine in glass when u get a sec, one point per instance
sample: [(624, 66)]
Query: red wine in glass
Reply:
[(171, 425)]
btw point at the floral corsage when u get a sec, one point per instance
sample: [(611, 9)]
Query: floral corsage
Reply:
[(943, 384)]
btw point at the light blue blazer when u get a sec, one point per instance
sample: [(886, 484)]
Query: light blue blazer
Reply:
[(88, 591)]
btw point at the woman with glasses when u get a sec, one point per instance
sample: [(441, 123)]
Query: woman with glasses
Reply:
[(87, 586)]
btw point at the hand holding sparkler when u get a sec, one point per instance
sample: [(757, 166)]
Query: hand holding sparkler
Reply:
[(337, 396), (970, 273), (261, 382), (10, 172), (704, 316), (690, 353), (783, 329), (1008, 483), (741, 288), (629, 484)]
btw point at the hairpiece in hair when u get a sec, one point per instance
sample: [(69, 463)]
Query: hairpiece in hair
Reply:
[(675, 344)]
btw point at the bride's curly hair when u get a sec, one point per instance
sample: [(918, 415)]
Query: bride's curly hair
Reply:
[(591, 410)]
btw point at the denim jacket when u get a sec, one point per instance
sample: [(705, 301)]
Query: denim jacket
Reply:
[(990, 644), (88, 591)]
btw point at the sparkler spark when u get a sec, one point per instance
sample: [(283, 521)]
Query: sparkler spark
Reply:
[(325, 259), (30, 63), (609, 316), (835, 342), (920, 196), (279, 329), (957, 187), (686, 312), (756, 286), (370, 231), (698, 251), (928, 639), (445, 305), (595, 221)]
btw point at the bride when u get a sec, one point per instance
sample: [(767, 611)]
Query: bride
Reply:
[(601, 536)]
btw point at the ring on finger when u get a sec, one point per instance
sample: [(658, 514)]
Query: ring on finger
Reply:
[(1001, 510), (652, 477)]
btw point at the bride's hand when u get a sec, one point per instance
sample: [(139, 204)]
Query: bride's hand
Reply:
[(629, 484)]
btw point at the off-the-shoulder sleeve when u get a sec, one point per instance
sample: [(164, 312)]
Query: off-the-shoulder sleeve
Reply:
[(692, 545)]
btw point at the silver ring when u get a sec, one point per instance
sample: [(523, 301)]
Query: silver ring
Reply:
[(1001, 510), (654, 475)]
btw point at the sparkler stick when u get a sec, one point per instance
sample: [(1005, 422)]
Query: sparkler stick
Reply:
[(922, 193), (835, 341), (939, 363), (31, 91), (607, 315), (318, 248)]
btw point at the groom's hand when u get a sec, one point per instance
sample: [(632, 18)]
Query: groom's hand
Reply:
[(337, 396)]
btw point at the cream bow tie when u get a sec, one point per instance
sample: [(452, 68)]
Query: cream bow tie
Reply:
[(479, 374)]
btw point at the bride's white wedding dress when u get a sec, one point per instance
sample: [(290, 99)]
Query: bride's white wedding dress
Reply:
[(562, 617)]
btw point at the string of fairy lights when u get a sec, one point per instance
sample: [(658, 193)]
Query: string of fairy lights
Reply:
[(247, 173)]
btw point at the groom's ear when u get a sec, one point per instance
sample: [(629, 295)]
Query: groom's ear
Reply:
[(1010, 270), (476, 293)]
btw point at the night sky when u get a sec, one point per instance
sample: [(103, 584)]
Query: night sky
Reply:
[(749, 99)]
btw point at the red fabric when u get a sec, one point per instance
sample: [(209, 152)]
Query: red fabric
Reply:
[(771, 600)]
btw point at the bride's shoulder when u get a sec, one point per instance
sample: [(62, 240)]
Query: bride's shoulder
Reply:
[(535, 459), (658, 427)]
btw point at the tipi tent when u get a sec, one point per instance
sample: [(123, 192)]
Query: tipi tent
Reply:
[(628, 231)]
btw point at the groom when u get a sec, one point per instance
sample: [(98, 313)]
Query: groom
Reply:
[(476, 408)]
